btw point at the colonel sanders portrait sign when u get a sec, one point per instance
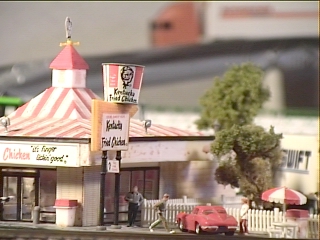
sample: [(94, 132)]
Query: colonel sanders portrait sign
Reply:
[(122, 82)]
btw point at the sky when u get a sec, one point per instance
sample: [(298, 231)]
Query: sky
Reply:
[(34, 30)]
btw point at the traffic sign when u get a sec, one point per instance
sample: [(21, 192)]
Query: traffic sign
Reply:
[(113, 166)]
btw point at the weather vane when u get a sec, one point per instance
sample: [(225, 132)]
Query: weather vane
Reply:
[(68, 25), (68, 28)]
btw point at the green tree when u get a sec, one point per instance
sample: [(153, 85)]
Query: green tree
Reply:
[(256, 156), (234, 99)]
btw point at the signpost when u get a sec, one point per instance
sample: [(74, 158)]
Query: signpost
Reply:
[(113, 166), (111, 121)]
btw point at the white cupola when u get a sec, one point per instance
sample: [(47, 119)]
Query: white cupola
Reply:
[(69, 68)]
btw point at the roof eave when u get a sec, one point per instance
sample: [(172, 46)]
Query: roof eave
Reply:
[(171, 138), (88, 140), (47, 139)]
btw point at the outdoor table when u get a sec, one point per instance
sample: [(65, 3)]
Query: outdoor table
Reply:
[(285, 226)]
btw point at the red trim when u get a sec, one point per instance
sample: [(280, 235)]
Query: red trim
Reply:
[(82, 134), (69, 131), (82, 99), (266, 14), (295, 14), (41, 102), (113, 76), (35, 132), (58, 102), (20, 110), (67, 59), (91, 94), (138, 78)]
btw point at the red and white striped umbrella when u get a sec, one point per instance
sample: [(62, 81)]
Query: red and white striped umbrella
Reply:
[(284, 195)]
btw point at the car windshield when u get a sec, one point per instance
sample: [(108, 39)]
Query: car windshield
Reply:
[(221, 211), (207, 212)]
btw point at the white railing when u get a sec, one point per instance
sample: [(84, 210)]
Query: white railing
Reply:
[(313, 226), (175, 206), (259, 221), (149, 215), (183, 200)]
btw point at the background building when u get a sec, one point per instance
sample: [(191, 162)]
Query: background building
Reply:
[(117, 27), (182, 44)]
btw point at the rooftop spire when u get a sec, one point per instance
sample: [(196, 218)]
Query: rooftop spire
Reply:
[(68, 58), (68, 28)]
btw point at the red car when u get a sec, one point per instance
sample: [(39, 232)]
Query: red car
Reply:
[(212, 219)]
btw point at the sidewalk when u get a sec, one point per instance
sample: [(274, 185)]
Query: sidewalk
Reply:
[(109, 228)]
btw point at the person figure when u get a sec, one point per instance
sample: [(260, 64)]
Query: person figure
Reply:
[(161, 207), (244, 216), (135, 199)]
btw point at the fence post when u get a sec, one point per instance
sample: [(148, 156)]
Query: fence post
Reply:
[(250, 219), (276, 215), (184, 199), (143, 211)]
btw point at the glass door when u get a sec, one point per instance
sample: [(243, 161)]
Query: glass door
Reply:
[(24, 197), (27, 197), (10, 188)]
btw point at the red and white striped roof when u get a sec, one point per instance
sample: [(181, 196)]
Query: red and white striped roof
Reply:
[(69, 58), (72, 103), (81, 128), (66, 112)]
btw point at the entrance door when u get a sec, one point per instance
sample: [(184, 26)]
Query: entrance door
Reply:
[(23, 186)]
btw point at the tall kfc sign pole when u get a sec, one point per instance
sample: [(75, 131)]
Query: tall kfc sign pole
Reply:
[(111, 122)]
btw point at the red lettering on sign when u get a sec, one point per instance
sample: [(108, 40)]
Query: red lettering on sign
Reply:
[(14, 154), (113, 76)]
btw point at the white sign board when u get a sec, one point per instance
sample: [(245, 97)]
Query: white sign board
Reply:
[(115, 131), (39, 153), (113, 166)]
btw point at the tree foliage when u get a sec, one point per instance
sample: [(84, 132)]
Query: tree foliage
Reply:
[(234, 99), (257, 154)]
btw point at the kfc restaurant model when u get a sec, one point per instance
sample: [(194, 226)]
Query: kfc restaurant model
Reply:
[(51, 147)]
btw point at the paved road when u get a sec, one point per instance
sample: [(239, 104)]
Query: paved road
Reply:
[(23, 231)]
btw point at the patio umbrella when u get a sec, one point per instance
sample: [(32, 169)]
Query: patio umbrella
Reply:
[(285, 196)]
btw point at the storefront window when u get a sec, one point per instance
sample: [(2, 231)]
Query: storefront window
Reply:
[(151, 184), (48, 184), (147, 180)]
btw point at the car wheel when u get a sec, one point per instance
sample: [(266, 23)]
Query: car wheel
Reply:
[(198, 228), (229, 233), (180, 225)]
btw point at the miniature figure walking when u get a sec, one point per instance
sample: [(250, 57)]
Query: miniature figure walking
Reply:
[(244, 216), (160, 207), (135, 199)]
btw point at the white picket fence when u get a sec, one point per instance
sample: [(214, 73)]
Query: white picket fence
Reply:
[(259, 221), (183, 200), (149, 215)]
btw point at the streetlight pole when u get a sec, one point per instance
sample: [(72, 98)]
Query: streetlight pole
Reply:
[(117, 193), (102, 188)]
